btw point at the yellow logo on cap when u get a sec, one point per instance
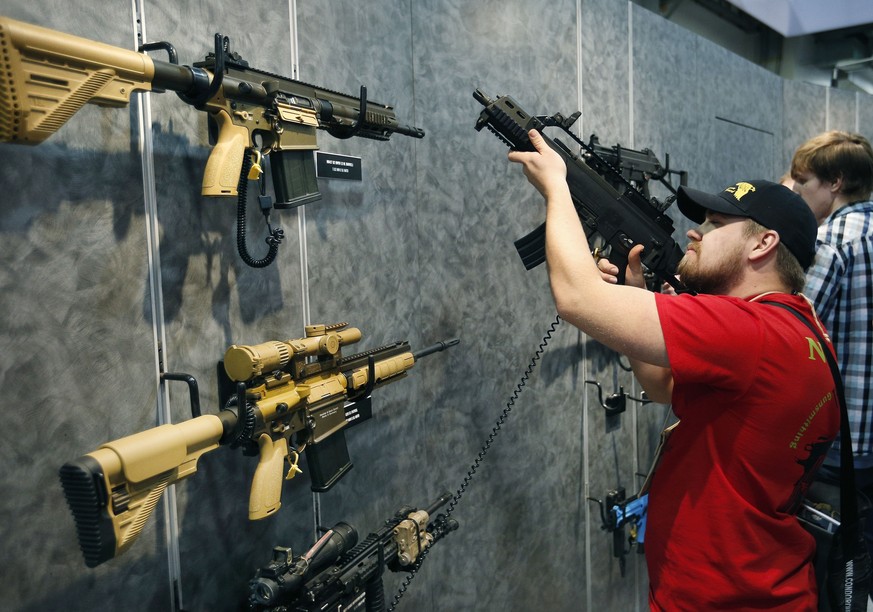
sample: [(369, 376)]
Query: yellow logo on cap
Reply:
[(740, 189)]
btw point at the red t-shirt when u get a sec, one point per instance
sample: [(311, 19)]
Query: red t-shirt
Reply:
[(757, 413)]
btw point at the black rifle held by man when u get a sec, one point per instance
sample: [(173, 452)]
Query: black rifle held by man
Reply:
[(622, 219)]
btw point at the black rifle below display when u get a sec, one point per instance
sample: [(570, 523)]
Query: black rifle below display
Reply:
[(338, 574), (622, 219)]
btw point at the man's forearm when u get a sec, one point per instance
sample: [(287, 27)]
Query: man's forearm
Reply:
[(572, 270)]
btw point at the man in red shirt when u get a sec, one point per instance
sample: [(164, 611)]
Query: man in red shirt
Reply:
[(748, 381)]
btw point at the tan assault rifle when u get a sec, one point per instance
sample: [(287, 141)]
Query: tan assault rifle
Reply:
[(48, 76), (290, 396)]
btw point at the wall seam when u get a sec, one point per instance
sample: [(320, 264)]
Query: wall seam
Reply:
[(630, 74), (635, 442), (586, 510), (301, 238), (300, 210), (145, 146), (827, 108)]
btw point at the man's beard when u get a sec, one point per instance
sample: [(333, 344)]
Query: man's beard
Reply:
[(716, 279)]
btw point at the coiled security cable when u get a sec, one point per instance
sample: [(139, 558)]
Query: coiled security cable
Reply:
[(443, 518)]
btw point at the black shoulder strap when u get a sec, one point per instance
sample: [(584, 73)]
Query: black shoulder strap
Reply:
[(848, 498)]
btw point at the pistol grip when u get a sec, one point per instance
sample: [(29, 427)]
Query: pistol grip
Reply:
[(619, 259), (221, 176), (266, 493)]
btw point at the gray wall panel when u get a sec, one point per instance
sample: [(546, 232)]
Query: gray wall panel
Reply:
[(667, 94), (473, 204), (77, 365), (740, 91), (804, 116), (687, 108), (759, 150), (842, 111), (668, 109), (744, 106), (604, 69), (865, 116)]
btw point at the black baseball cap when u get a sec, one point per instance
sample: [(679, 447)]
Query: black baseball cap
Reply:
[(772, 205)]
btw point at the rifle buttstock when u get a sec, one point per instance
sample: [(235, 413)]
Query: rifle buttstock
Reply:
[(113, 491), (82, 482), (51, 75)]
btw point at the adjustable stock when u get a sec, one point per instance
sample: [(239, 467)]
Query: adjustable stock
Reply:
[(113, 490), (49, 76)]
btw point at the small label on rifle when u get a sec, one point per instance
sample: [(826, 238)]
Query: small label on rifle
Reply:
[(333, 166)]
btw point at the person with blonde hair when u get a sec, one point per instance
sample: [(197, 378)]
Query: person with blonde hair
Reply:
[(833, 172)]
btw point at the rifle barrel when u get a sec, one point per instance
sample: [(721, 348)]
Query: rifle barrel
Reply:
[(435, 348), (438, 503)]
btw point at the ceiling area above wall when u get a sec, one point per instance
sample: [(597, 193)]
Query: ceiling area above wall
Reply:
[(802, 17), (826, 42)]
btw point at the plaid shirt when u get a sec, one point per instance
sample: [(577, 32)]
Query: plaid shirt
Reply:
[(840, 285)]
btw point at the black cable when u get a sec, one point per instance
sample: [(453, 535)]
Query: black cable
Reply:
[(503, 416), (276, 235), (445, 518)]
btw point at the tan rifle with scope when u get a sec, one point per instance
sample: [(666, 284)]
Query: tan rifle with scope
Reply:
[(290, 396)]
